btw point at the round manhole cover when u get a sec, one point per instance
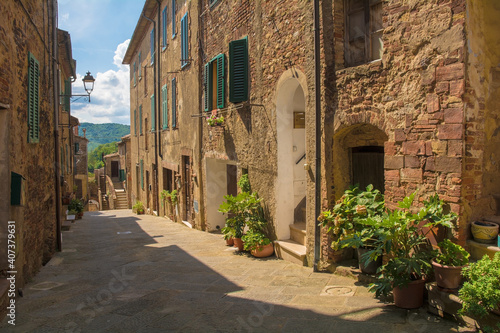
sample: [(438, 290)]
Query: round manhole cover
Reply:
[(339, 291)]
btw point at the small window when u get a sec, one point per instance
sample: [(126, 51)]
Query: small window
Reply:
[(364, 30), (213, 82), (184, 41), (164, 106), (33, 99), (238, 70), (174, 103), (164, 27), (174, 32), (152, 42), (77, 147)]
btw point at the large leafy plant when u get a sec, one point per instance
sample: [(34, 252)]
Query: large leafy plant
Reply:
[(451, 254)]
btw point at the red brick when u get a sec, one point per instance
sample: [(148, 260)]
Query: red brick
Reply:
[(390, 148), (411, 175), (450, 72), (393, 162), (391, 175), (450, 131), (454, 116), (399, 135), (432, 103), (442, 87), (414, 148), (457, 87), (430, 164), (448, 164), (412, 162), (455, 148)]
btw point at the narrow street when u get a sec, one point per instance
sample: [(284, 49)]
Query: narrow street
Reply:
[(121, 272)]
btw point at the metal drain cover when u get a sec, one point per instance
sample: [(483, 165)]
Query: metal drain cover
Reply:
[(338, 291)]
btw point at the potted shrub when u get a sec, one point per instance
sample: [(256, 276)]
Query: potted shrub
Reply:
[(448, 264), (138, 208), (484, 231), (77, 206), (258, 244), (346, 223), (480, 293), (409, 252)]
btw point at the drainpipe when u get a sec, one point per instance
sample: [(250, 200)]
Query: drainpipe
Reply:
[(156, 60), (56, 127), (317, 187)]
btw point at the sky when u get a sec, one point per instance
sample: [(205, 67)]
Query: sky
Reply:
[(100, 31)]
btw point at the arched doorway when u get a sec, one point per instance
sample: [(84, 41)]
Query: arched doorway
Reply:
[(291, 137)]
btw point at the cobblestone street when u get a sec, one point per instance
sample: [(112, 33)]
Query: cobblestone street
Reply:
[(121, 272)]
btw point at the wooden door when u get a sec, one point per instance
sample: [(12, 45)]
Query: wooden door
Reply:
[(367, 165), (114, 169), (186, 176)]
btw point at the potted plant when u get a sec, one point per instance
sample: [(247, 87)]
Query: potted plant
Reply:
[(344, 222), (409, 251), (258, 244), (480, 293), (213, 120), (138, 208), (448, 264), (77, 206), (75, 188), (484, 231)]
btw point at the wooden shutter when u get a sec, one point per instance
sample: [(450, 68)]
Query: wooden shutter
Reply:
[(153, 113), (164, 106), (33, 99), (135, 122), (184, 41), (174, 105), (220, 81), (135, 68), (67, 93), (208, 87), (164, 27), (152, 40), (140, 119), (142, 174), (238, 70), (173, 19)]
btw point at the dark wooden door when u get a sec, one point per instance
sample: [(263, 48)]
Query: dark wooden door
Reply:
[(232, 182), (367, 165), (115, 169), (187, 187)]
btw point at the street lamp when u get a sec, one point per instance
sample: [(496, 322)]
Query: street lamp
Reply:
[(88, 85)]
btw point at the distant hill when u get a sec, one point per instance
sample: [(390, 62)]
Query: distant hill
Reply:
[(98, 134)]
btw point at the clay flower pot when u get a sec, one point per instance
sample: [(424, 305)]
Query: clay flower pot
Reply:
[(447, 277), (411, 296), (263, 251), (238, 243), (484, 232), (230, 241)]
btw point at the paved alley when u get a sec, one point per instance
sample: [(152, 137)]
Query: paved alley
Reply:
[(121, 272)]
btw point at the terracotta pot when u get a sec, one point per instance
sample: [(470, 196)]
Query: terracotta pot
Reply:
[(447, 277), (484, 232), (263, 251), (230, 241), (372, 266), (411, 296), (238, 243)]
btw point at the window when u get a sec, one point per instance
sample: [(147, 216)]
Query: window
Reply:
[(213, 82), (364, 29), (77, 147), (152, 42), (135, 69), (184, 41), (173, 19), (140, 66), (164, 106), (174, 103), (33, 99), (238, 70), (142, 174), (211, 2), (164, 27), (135, 122), (153, 113), (140, 119)]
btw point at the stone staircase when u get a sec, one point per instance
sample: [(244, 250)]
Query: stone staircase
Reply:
[(121, 201), (294, 249)]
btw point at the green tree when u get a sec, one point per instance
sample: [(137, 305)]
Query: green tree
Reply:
[(95, 156)]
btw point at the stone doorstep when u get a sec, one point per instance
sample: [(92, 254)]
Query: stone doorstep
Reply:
[(298, 233), (478, 250), (351, 269), (290, 250), (446, 304)]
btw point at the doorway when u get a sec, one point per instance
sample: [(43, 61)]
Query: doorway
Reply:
[(367, 167), (115, 167), (186, 176)]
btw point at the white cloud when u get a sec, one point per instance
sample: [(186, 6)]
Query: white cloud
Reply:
[(110, 99)]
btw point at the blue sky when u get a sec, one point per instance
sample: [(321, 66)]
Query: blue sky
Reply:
[(100, 31)]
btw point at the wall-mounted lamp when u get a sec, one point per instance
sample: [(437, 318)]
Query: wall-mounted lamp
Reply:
[(88, 85)]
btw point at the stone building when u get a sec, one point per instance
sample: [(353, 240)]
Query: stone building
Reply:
[(35, 58), (317, 96), (164, 94), (80, 168)]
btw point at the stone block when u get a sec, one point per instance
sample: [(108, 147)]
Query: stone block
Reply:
[(411, 175), (457, 87), (414, 148), (430, 164), (399, 135), (412, 162), (442, 87), (439, 147), (393, 162), (448, 164), (390, 148), (450, 131), (455, 148), (391, 175), (450, 72), (454, 116), (432, 103)]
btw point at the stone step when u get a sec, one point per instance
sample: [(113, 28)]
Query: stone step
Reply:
[(478, 250), (350, 268), (298, 232), (290, 250)]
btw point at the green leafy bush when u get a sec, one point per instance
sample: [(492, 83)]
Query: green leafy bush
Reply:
[(254, 239), (76, 205), (451, 254), (138, 207)]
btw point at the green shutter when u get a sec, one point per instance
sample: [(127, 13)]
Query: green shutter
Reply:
[(153, 113), (122, 175), (220, 81), (135, 78), (33, 99), (152, 41), (174, 103), (140, 119), (184, 41), (77, 147), (67, 94), (164, 106), (142, 174), (238, 70), (140, 65), (135, 122), (208, 87)]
